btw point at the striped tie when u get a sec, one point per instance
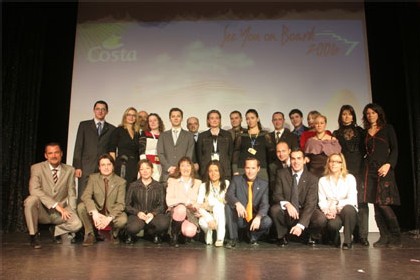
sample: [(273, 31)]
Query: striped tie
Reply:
[(55, 175)]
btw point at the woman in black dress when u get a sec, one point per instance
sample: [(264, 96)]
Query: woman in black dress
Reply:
[(380, 187), (124, 146), (351, 137)]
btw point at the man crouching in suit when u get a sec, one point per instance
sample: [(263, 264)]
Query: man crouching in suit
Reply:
[(294, 203), (247, 204), (103, 202), (52, 196)]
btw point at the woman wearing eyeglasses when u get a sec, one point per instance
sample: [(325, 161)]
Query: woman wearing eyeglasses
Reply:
[(124, 146), (338, 199)]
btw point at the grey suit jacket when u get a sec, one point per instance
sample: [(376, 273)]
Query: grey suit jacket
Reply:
[(238, 192), (89, 146), (308, 192), (169, 154), (94, 194), (41, 185)]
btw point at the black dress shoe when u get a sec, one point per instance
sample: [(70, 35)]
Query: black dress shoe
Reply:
[(129, 240), (347, 246), (157, 240), (35, 241), (254, 242), (231, 244), (312, 242), (99, 237), (282, 242), (57, 239), (174, 241), (364, 242)]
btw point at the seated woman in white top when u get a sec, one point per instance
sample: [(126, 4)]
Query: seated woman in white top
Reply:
[(338, 199), (211, 198)]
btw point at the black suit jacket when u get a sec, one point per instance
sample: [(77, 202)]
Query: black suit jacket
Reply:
[(288, 137), (204, 150), (238, 192), (274, 163), (89, 147), (308, 192)]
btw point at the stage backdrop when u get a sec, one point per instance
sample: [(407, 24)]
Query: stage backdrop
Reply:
[(311, 60), (198, 65)]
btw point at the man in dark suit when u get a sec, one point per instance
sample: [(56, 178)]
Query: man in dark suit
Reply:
[(295, 201), (52, 196), (296, 118), (193, 125), (103, 202), (236, 122), (174, 144), (247, 204), (91, 142), (283, 134)]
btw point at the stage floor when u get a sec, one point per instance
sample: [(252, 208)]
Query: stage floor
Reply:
[(195, 260)]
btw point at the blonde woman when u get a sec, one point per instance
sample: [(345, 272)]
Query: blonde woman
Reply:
[(124, 146), (211, 198), (337, 194), (320, 146)]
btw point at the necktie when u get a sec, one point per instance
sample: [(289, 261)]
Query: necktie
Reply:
[(249, 204), (295, 192), (99, 128), (104, 210), (175, 136), (55, 175), (277, 136)]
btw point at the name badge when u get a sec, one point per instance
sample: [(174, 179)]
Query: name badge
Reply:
[(215, 156), (252, 151)]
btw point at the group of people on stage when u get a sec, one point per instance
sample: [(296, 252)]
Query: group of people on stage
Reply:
[(232, 185)]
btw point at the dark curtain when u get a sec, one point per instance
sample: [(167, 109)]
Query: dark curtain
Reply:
[(37, 51), (410, 34), (23, 53), (393, 32)]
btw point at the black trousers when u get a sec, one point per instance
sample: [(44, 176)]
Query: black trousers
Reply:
[(283, 222)]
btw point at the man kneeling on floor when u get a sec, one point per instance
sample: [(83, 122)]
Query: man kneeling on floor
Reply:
[(103, 202), (247, 204), (295, 199), (52, 196)]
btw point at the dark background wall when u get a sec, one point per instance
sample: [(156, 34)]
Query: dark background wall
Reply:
[(37, 51)]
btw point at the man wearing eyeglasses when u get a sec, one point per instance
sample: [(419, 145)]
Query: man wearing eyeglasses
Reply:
[(91, 142)]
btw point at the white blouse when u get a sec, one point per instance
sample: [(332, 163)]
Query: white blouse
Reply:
[(342, 193)]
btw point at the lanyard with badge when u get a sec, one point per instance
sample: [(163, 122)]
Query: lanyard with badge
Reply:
[(215, 153), (251, 150)]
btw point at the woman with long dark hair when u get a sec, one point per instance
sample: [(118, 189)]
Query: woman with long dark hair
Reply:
[(380, 187), (211, 198), (351, 137), (254, 142)]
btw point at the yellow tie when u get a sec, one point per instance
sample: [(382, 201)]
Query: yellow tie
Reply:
[(249, 204)]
